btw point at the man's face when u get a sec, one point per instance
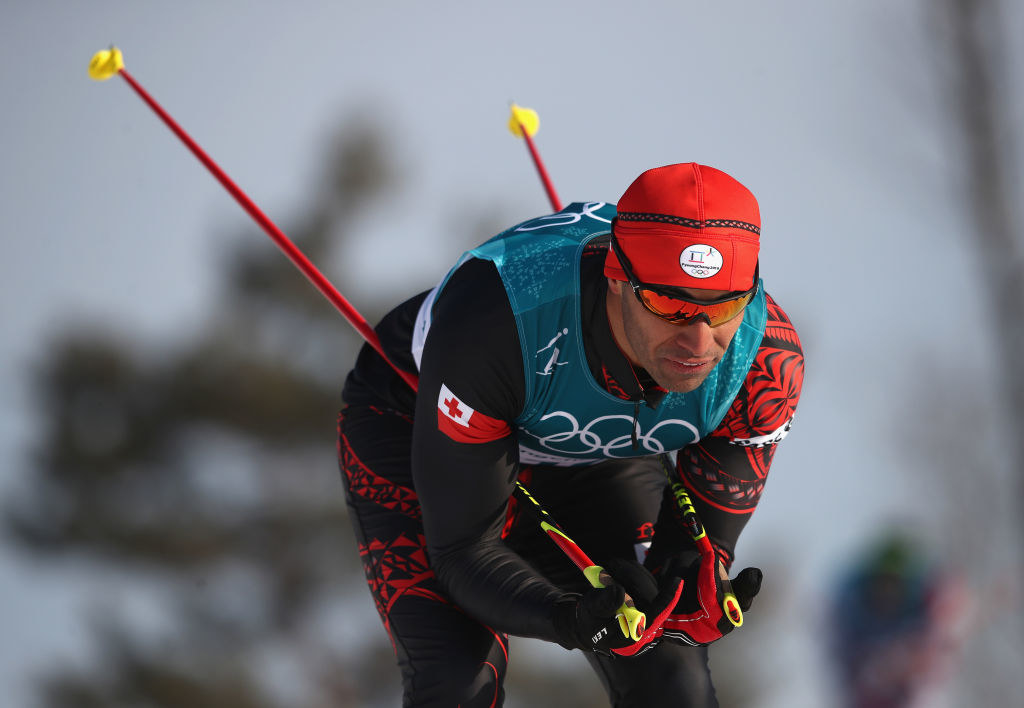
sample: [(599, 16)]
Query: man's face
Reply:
[(678, 357)]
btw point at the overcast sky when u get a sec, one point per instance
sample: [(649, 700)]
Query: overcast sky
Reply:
[(829, 112)]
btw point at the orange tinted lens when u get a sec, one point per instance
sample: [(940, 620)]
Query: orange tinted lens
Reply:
[(676, 310)]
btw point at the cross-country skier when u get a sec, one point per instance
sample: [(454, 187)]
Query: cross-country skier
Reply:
[(574, 352)]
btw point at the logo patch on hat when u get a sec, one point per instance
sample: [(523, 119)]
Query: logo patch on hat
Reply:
[(700, 260)]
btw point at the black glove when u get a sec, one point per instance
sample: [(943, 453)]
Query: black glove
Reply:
[(707, 609), (711, 605), (592, 621)]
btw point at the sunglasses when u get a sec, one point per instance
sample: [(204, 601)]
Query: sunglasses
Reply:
[(672, 305)]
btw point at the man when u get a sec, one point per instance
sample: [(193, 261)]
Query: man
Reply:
[(572, 352)]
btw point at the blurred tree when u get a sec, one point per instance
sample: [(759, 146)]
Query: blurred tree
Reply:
[(202, 479), (980, 84), (205, 476), (980, 81), (975, 449)]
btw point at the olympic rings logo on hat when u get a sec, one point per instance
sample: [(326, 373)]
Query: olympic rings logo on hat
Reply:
[(701, 260)]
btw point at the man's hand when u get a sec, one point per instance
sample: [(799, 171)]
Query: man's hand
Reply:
[(591, 622), (711, 605)]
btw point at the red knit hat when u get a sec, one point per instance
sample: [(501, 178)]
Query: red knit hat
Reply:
[(689, 226)]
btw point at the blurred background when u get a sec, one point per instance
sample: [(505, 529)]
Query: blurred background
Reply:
[(173, 525)]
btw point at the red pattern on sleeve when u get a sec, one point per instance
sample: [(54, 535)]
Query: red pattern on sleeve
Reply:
[(728, 469)]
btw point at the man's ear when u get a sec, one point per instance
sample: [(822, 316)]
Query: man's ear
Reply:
[(615, 286)]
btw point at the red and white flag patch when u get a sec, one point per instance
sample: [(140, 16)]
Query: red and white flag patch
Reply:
[(464, 424)]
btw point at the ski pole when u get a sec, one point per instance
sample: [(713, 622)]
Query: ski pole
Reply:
[(631, 620), (108, 62), (693, 526), (523, 123)]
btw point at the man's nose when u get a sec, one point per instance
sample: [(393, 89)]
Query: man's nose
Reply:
[(696, 337)]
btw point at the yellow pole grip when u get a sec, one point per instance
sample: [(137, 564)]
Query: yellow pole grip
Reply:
[(632, 621)]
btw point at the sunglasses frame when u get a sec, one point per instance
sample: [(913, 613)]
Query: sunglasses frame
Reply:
[(674, 293)]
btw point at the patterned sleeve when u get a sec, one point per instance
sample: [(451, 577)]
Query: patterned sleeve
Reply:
[(726, 471)]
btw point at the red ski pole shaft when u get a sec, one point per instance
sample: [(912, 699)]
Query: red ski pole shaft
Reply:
[(542, 171), (105, 64), (270, 228), (523, 124), (631, 620)]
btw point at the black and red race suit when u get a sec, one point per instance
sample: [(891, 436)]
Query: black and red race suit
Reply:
[(453, 567)]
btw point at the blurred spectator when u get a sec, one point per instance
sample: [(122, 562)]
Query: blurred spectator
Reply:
[(892, 617)]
